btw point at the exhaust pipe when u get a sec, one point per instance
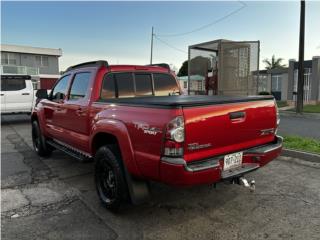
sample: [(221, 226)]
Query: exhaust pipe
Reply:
[(251, 185)]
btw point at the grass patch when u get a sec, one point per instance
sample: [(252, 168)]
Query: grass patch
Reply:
[(311, 108), (303, 144), (282, 104), (308, 109)]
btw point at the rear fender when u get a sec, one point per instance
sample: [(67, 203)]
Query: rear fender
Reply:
[(119, 130)]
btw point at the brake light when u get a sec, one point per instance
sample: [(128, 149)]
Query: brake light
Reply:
[(174, 138)]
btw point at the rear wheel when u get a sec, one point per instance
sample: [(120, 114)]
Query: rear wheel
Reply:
[(39, 142), (109, 178)]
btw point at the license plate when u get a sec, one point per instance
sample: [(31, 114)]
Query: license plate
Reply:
[(232, 160)]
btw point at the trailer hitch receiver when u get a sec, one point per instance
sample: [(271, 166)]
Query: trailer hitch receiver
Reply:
[(250, 185)]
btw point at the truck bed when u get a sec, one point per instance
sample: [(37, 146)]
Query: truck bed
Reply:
[(185, 101)]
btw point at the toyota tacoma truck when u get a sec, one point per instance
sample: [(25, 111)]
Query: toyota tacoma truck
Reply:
[(137, 127)]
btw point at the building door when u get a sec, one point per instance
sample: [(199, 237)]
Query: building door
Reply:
[(276, 85), (306, 85)]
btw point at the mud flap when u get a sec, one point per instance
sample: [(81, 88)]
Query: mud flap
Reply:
[(138, 189)]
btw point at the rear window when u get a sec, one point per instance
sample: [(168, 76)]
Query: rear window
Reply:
[(13, 85), (143, 84), (125, 85), (164, 85)]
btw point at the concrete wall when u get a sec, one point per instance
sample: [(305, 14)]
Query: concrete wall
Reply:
[(29, 60), (284, 86), (315, 84), (290, 80)]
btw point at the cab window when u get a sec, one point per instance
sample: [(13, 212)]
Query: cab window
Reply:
[(125, 85), (165, 85), (108, 89), (13, 84)]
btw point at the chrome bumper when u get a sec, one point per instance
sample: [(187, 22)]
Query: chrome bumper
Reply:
[(214, 162)]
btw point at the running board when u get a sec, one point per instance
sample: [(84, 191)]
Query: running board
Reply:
[(70, 151)]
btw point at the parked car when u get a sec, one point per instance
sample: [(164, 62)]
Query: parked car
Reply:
[(17, 94), (137, 127)]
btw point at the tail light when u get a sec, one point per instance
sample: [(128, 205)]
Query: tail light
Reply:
[(174, 138)]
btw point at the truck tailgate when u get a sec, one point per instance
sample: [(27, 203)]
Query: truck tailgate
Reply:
[(218, 129)]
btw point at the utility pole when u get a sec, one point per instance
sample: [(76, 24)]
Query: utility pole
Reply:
[(301, 59), (151, 45)]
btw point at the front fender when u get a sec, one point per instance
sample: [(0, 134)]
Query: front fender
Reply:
[(120, 131)]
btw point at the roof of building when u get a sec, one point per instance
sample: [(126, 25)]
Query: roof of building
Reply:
[(278, 70), (31, 50), (306, 64)]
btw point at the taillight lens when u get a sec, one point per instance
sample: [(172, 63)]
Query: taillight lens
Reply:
[(173, 145)]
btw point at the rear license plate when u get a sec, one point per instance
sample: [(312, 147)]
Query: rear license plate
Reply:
[(232, 160)]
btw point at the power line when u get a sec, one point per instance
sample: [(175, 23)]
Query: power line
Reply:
[(168, 44), (243, 5)]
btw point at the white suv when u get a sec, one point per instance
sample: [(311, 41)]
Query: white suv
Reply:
[(17, 94)]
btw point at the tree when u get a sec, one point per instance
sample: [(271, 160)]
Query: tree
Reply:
[(183, 71), (274, 63)]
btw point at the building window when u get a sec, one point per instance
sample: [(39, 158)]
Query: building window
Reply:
[(200, 85), (8, 59), (276, 83), (42, 61), (185, 84)]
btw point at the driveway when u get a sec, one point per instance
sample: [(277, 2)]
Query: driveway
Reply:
[(55, 198)]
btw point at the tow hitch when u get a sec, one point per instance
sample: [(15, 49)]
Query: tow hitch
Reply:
[(251, 185)]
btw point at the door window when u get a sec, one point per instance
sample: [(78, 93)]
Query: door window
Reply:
[(60, 89), (80, 85), (13, 84)]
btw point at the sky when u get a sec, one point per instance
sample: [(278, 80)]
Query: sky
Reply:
[(120, 32)]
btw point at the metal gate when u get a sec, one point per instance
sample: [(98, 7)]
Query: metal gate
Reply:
[(306, 86)]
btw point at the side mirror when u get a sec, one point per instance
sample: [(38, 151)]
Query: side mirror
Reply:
[(59, 96), (42, 94)]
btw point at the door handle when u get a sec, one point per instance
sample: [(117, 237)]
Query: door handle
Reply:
[(80, 111), (58, 108), (237, 116), (1, 94), (25, 93)]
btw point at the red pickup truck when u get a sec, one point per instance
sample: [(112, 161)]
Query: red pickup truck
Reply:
[(136, 125)]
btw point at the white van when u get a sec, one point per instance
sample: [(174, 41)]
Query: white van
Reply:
[(17, 94)]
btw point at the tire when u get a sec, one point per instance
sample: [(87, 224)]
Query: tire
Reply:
[(39, 141), (110, 180)]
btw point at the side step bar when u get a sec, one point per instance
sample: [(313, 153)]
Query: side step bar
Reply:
[(70, 151)]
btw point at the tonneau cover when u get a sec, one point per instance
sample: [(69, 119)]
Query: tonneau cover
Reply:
[(186, 101)]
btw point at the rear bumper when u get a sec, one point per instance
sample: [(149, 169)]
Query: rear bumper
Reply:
[(177, 171)]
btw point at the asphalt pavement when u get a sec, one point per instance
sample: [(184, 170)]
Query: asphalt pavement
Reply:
[(55, 198), (304, 126)]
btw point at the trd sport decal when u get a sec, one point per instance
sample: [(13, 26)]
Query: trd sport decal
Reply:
[(146, 128)]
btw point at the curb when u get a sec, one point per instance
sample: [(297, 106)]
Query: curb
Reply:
[(304, 115), (311, 157)]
